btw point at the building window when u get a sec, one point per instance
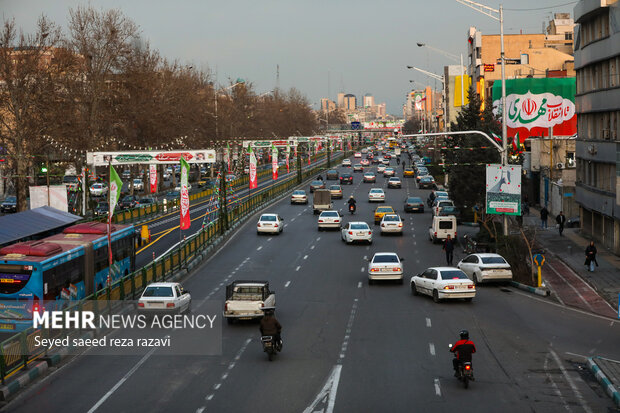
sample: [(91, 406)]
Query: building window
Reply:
[(568, 36)]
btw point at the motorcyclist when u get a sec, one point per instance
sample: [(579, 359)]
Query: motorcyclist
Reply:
[(431, 198), (352, 203), (319, 178), (270, 326), (404, 164), (463, 349), (398, 161)]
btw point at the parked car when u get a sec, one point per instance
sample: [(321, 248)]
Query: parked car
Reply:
[(356, 231), (443, 283), (138, 185), (145, 201), (299, 197), (9, 204), (101, 209), (178, 187), (172, 195), (485, 267), (346, 179), (440, 203), (414, 204)]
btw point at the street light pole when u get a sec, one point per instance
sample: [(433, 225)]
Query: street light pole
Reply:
[(500, 18)]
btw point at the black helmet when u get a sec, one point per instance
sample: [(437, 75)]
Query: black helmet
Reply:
[(464, 335)]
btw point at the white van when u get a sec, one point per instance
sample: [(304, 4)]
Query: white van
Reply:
[(442, 227)]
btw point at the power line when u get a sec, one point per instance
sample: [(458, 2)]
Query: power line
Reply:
[(543, 8)]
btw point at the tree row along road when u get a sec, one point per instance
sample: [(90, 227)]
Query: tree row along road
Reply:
[(348, 346)]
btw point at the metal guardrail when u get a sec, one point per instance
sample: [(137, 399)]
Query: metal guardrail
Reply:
[(18, 351)]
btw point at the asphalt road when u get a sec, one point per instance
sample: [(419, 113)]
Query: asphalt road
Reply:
[(348, 346)]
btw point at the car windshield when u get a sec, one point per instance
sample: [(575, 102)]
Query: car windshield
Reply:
[(335, 187), (269, 218), (173, 193), (385, 209), (448, 208), (299, 193), (360, 226), (441, 194), (317, 182), (137, 181), (387, 258), (453, 275), (102, 205), (445, 224), (346, 175), (158, 292), (128, 198), (329, 214), (493, 260), (70, 179), (391, 218), (376, 191), (394, 180), (10, 199), (146, 201), (413, 200), (427, 179)]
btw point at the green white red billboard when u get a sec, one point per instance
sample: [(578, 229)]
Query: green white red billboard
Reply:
[(535, 105)]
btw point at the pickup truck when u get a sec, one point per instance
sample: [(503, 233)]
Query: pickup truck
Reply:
[(245, 300), (321, 200)]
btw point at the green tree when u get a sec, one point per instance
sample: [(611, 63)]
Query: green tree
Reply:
[(466, 155)]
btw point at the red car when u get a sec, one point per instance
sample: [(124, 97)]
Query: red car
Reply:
[(346, 179)]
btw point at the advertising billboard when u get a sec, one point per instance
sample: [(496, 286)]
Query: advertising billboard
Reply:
[(150, 157), (535, 105), (503, 189), (57, 197)]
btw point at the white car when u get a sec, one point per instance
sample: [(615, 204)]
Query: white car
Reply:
[(138, 185), (164, 298), (98, 189), (389, 172), (358, 167), (346, 162), (365, 162), (442, 283), (391, 223), (358, 155), (385, 266), (270, 223), (485, 267), (329, 219), (385, 161), (441, 204), (356, 231), (380, 168), (394, 182), (178, 187), (299, 197), (376, 195)]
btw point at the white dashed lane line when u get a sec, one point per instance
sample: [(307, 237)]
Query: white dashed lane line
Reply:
[(259, 248), (298, 267), (428, 322), (287, 284), (431, 348)]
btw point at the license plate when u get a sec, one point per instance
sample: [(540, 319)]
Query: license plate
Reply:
[(7, 326), (360, 233)]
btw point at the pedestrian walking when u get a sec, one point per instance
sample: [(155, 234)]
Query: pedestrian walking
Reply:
[(544, 214), (448, 247), (561, 220), (591, 256)]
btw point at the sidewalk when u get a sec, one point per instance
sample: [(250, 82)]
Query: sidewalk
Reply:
[(566, 274)]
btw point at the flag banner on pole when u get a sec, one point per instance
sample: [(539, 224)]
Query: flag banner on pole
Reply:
[(228, 155), (153, 178), (116, 184), (274, 162), (185, 219), (517, 146), (253, 176), (497, 138), (288, 151)]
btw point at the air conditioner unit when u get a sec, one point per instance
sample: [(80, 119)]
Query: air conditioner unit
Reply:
[(560, 165)]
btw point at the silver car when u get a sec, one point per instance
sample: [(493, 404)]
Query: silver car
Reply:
[(356, 231)]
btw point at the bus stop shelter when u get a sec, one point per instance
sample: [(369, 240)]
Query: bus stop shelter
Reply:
[(34, 224)]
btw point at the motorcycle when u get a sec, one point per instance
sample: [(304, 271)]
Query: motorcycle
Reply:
[(352, 208), (465, 372), (270, 346)]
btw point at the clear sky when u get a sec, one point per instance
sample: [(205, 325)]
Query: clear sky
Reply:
[(355, 46)]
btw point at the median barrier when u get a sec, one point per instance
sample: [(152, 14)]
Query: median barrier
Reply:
[(542, 291), (602, 378)]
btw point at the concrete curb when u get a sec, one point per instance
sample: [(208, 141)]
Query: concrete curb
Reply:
[(23, 380), (534, 290), (602, 378)]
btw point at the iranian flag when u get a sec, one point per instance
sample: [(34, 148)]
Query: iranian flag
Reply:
[(534, 105), (517, 146), (274, 162), (228, 155), (185, 219), (253, 177), (153, 178), (497, 138), (288, 151), (116, 184)]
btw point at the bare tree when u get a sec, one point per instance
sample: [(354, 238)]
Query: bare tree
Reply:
[(25, 94)]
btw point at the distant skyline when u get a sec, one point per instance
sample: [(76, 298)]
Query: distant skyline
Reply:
[(351, 46)]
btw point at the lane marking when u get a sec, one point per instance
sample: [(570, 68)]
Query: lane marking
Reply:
[(555, 386), (287, 284), (298, 267), (359, 284), (428, 322), (327, 393), (431, 348), (318, 239), (571, 382), (312, 247), (305, 257), (123, 380), (259, 248), (363, 268), (231, 365), (437, 388)]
